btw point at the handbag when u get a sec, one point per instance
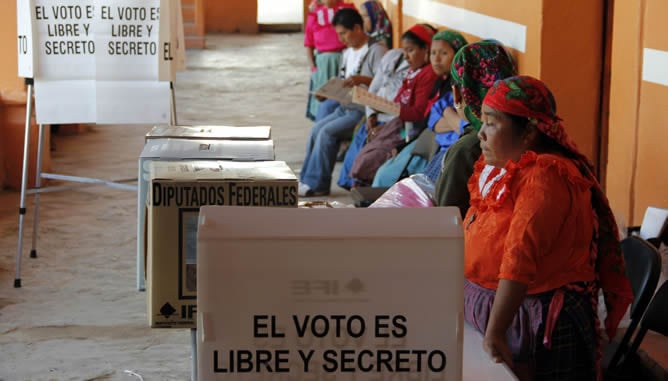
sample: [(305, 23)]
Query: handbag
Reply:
[(377, 152)]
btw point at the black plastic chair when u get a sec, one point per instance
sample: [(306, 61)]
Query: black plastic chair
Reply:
[(643, 268), (641, 367), (655, 319), (425, 147)]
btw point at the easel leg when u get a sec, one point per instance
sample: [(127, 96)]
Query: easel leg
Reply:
[(24, 181), (171, 89), (193, 343), (38, 184)]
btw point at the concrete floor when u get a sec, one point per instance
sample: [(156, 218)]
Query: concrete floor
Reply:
[(78, 315)]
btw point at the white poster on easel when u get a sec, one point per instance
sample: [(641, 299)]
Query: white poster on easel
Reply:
[(25, 38), (97, 61), (64, 61), (127, 65), (128, 35)]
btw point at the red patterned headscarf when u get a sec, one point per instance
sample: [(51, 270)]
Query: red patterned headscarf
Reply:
[(529, 97)]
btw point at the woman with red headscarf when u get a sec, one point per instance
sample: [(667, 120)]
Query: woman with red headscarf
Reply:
[(540, 241)]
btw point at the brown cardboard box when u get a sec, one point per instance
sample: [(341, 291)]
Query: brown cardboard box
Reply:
[(177, 191), (169, 149), (343, 278)]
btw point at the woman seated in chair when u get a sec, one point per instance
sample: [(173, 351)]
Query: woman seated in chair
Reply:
[(441, 115), (413, 98), (540, 240)]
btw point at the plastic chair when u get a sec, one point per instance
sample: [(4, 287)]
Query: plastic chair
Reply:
[(643, 268), (655, 319), (636, 367), (425, 147)]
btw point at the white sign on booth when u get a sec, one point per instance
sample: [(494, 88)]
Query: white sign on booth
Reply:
[(336, 294), (66, 45), (25, 38), (128, 35), (99, 61)]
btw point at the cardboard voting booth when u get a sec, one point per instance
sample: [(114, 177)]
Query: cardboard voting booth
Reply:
[(189, 149), (210, 132), (176, 193), (330, 294), (94, 61)]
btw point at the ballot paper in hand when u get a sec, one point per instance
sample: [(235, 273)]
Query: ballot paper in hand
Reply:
[(335, 90), (364, 97)]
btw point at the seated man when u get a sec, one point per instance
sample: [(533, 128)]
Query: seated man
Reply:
[(359, 64)]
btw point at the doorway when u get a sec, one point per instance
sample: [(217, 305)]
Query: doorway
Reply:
[(280, 12)]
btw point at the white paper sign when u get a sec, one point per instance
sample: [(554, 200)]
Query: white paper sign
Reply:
[(321, 298), (65, 44), (25, 38), (95, 61), (127, 33), (168, 41)]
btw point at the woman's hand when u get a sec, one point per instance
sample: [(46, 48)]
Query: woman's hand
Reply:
[(448, 122), (509, 297), (497, 348)]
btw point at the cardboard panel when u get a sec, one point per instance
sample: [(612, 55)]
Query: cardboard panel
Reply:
[(396, 288)]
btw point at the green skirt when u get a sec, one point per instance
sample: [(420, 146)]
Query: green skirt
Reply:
[(328, 67)]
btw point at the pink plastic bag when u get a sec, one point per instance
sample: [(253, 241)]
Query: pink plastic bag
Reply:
[(416, 191)]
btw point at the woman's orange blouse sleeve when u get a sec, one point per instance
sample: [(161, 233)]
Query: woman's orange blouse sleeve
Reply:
[(542, 204)]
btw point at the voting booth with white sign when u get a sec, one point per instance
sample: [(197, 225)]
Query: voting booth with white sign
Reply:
[(94, 61), (331, 293)]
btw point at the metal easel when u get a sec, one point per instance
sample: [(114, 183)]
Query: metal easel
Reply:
[(84, 181)]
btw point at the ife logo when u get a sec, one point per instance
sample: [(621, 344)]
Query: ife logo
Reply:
[(316, 290)]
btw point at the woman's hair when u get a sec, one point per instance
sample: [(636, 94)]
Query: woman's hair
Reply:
[(441, 86), (348, 18)]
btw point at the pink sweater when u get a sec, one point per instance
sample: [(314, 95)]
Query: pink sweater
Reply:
[(320, 33)]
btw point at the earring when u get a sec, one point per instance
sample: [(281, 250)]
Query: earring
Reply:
[(458, 105)]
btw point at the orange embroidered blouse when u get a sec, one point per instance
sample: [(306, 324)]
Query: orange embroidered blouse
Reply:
[(533, 225)]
